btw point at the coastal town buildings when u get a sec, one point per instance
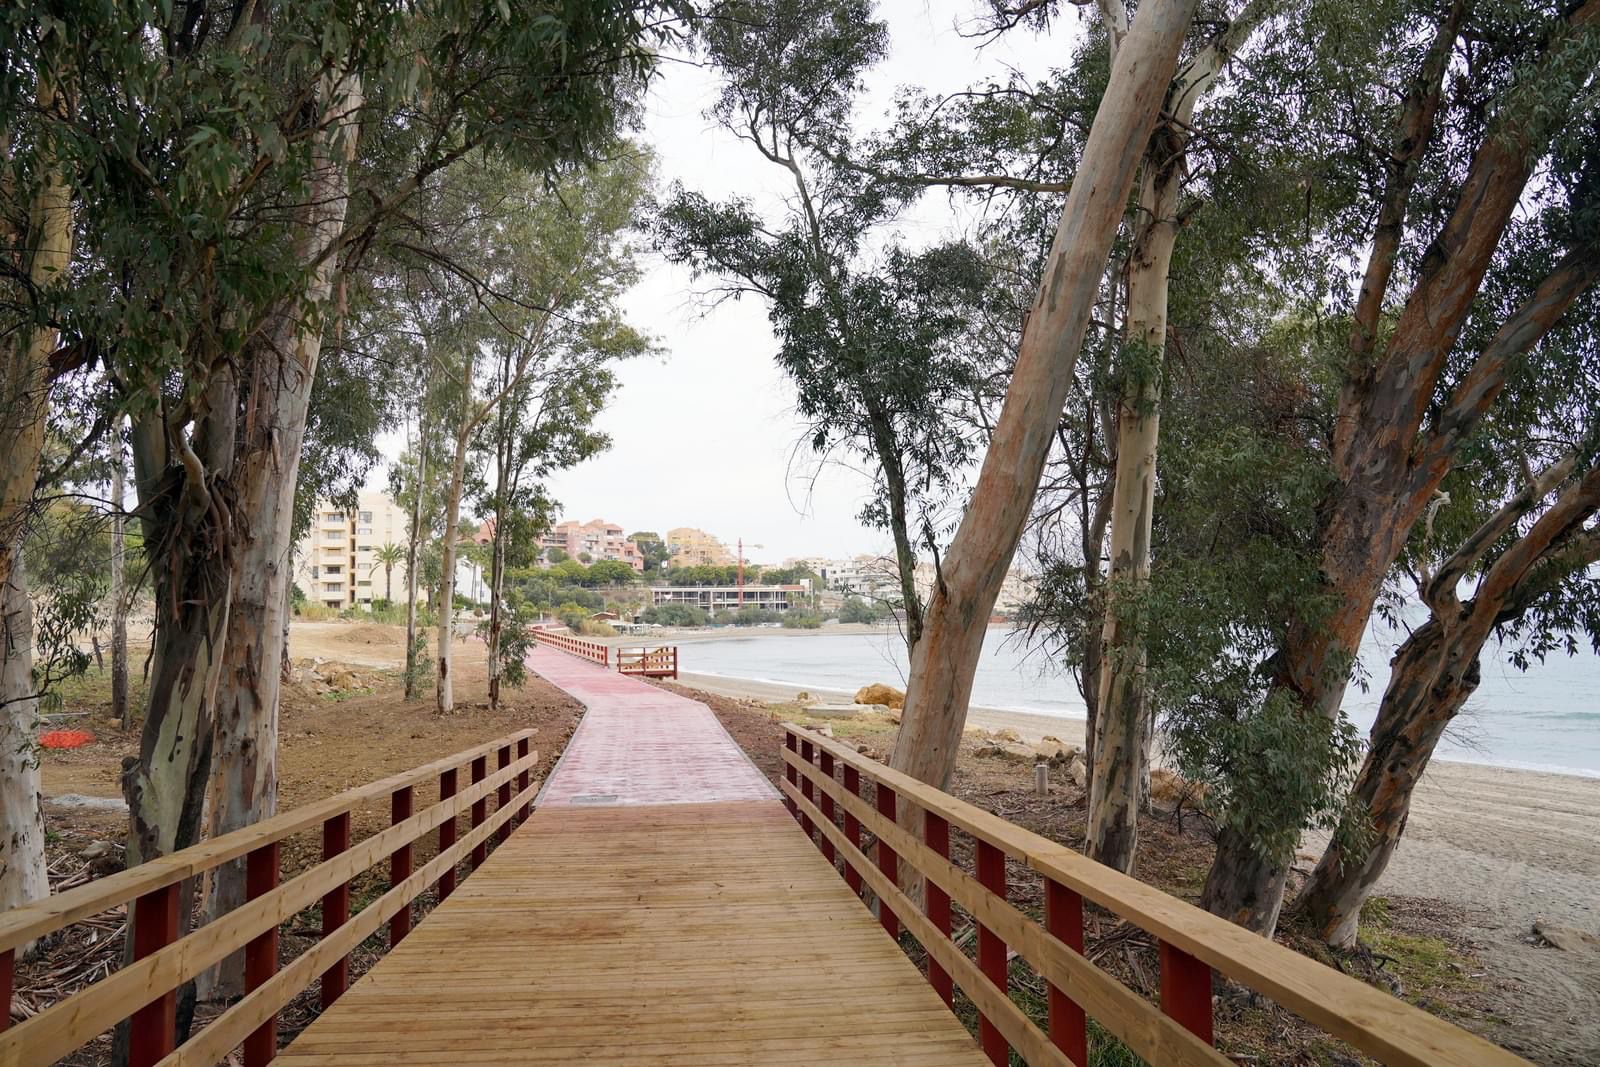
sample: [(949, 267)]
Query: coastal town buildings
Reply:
[(696, 548), (877, 578), (715, 598), (336, 563), (592, 541)]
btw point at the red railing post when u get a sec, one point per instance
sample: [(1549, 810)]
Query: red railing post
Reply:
[(888, 861), (152, 1032), (1186, 991), (790, 742), (400, 864), (480, 808), (261, 952), (335, 908), (806, 790), (827, 803), (936, 832), (522, 778), (447, 833), (503, 800), (1063, 920), (852, 827), (992, 950)]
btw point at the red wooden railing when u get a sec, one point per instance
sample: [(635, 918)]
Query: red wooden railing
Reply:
[(144, 992), (589, 650), (659, 662), (1193, 943)]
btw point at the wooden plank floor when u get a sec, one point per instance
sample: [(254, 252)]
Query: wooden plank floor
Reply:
[(643, 933)]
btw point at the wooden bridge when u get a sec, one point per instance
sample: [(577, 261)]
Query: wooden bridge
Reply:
[(663, 906)]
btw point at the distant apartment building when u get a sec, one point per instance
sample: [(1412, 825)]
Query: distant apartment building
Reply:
[(878, 578), (336, 562), (715, 598), (596, 539), (696, 548)]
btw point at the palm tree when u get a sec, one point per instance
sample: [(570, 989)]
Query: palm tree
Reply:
[(388, 555)]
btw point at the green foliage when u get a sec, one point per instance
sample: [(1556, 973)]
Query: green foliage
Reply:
[(419, 665), (675, 615), (801, 620), (556, 555), (654, 550), (611, 572), (753, 616), (856, 610)]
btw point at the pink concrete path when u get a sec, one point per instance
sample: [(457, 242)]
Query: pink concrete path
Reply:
[(639, 744)]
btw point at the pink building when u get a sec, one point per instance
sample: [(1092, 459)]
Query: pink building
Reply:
[(597, 539)]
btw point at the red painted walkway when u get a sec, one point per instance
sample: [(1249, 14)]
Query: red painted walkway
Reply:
[(639, 744)]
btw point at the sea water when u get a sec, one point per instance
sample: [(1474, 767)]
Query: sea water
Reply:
[(1547, 718)]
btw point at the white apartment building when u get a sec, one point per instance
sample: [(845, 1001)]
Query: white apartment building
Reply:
[(336, 562), (715, 598)]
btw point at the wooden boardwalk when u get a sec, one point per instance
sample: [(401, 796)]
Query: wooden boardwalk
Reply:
[(660, 907)]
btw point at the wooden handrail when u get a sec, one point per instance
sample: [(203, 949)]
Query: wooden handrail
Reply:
[(19, 926), (147, 984), (659, 662), (593, 651), (1193, 941)]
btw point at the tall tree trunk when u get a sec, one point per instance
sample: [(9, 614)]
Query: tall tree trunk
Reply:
[(1428, 685), (444, 692), (23, 876), (44, 255), (120, 707), (1388, 465), (1124, 728), (244, 785), (414, 539), (905, 553), (973, 570)]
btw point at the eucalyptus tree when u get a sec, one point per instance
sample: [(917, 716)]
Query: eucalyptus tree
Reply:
[(547, 324), (1442, 312), (212, 150), (873, 334)]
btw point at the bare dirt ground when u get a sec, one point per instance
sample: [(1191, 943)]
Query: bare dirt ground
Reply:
[(1460, 958), (329, 741)]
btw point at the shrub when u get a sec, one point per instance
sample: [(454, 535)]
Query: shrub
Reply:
[(801, 620)]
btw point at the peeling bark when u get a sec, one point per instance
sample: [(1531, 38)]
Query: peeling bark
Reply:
[(976, 563), (22, 865), (244, 785)]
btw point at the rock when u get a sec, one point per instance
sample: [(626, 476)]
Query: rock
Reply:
[(1056, 751), (79, 802), (94, 850), (824, 730), (1566, 938), (1078, 771), (803, 697), (1007, 734), (1170, 789), (343, 680), (1008, 751), (881, 694)]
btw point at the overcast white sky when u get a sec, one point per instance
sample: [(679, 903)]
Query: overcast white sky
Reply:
[(706, 434)]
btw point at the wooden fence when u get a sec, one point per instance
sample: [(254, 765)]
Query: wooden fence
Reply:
[(589, 650), (145, 990), (1193, 943), (659, 662)]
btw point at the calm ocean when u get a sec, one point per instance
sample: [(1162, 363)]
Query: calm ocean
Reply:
[(1547, 719)]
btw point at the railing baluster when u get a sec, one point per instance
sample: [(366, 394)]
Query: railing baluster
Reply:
[(503, 800), (400, 802), (261, 952), (827, 805), (335, 908), (852, 827), (1186, 991), (1063, 919), (152, 1032), (447, 833), (522, 779), (792, 743), (888, 861), (992, 950), (480, 808), (936, 832), (807, 791)]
